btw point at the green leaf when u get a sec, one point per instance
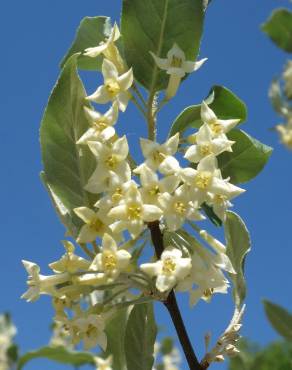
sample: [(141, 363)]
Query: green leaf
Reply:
[(153, 25), (58, 354), (280, 319), (91, 31), (12, 353), (248, 158), (238, 245), (208, 210), (140, 337), (279, 29), (225, 104), (67, 166), (115, 331)]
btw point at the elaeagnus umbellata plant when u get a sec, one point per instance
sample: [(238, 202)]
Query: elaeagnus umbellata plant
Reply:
[(137, 232)]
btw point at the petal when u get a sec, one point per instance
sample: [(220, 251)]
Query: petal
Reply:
[(31, 267), (204, 134), (224, 187), (172, 253), (228, 124), (169, 183), (90, 135), (92, 114), (193, 154), (183, 269), (176, 52), (148, 146), (208, 164), (169, 166), (121, 147), (106, 134), (195, 296), (193, 66), (95, 51), (108, 243), (124, 258), (112, 114), (148, 176), (118, 212), (188, 175), (162, 63), (171, 145), (151, 213), (86, 214), (109, 70), (126, 80), (152, 269), (207, 115), (86, 234), (221, 144), (173, 221), (96, 147), (100, 96), (165, 282), (123, 100)]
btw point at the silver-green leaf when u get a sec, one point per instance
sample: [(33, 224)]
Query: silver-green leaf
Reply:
[(238, 245), (280, 319), (140, 337)]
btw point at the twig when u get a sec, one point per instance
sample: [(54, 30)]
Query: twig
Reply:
[(172, 306)]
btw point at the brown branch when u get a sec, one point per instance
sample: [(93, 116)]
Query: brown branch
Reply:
[(172, 306)]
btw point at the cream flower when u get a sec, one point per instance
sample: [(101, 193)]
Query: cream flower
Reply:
[(160, 156), (287, 76), (109, 158), (69, 262), (132, 213), (285, 133), (111, 261), (179, 207), (41, 284), (177, 67), (206, 145), (96, 224), (115, 87), (101, 125), (218, 126), (169, 270), (90, 329), (103, 364), (152, 187), (207, 179), (108, 49)]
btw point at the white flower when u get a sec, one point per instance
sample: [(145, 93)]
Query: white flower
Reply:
[(101, 125), (109, 158), (206, 145), (115, 87), (152, 187), (108, 49), (90, 329), (206, 275), (160, 156), (285, 133), (218, 126), (103, 364), (111, 261), (169, 270), (176, 66), (69, 262), (95, 224), (41, 284), (207, 178), (179, 207), (132, 213)]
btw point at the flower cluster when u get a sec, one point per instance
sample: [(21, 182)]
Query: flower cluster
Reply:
[(7, 333), (128, 198)]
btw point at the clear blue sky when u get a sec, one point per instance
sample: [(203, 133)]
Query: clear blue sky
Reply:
[(34, 37)]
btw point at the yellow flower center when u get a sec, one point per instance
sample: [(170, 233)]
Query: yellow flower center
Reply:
[(112, 87), (117, 195), (176, 62), (216, 127), (180, 207), (154, 190), (158, 156), (205, 149), (111, 162), (91, 331), (134, 212), (203, 179), (96, 224), (109, 261), (192, 139), (218, 198), (101, 124), (168, 266), (208, 293)]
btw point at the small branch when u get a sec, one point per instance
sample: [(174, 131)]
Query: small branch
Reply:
[(151, 118), (172, 306)]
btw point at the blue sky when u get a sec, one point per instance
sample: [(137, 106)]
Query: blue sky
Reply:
[(34, 37)]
